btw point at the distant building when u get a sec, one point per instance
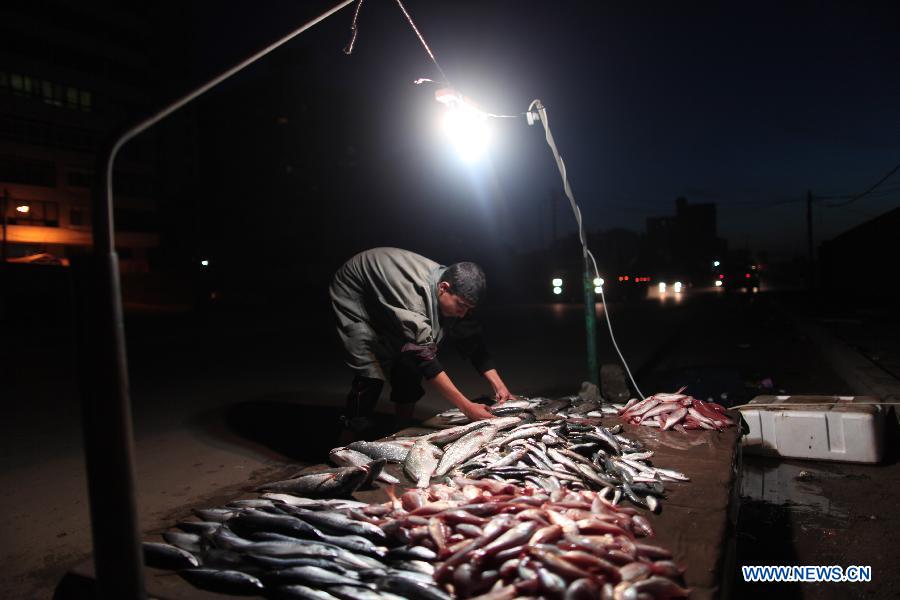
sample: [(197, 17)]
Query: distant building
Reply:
[(69, 74), (685, 243), (862, 261)]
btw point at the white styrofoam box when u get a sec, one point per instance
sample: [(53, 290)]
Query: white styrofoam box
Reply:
[(840, 428)]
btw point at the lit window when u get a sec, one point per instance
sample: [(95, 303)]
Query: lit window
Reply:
[(85, 98)]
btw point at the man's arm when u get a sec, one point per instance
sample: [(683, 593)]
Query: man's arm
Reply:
[(448, 390), (501, 394)]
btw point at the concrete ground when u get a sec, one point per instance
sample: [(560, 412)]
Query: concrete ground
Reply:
[(226, 400)]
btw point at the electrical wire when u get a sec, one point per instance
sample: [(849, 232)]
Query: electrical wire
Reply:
[(354, 29), (856, 197), (422, 39), (496, 116), (561, 165)]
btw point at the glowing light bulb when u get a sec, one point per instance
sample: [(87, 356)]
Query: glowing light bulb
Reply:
[(468, 133)]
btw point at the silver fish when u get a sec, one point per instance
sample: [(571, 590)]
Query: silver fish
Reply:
[(198, 527), (224, 581), (164, 556), (421, 462), (214, 515), (390, 451), (251, 503), (314, 503), (463, 448), (522, 433), (345, 457), (445, 436), (316, 576), (339, 524), (672, 474), (338, 482), (255, 521), (191, 542), (564, 460)]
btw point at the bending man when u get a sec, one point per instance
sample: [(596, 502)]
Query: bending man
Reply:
[(394, 308)]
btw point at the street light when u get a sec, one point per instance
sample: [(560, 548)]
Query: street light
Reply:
[(108, 437), (464, 124)]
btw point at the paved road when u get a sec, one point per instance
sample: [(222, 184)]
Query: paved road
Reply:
[(224, 401)]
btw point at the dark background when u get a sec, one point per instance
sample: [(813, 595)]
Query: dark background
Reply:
[(311, 155)]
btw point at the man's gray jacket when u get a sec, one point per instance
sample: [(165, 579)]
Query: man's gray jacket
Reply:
[(386, 302)]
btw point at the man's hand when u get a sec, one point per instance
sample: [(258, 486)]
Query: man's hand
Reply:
[(501, 394), (476, 412)]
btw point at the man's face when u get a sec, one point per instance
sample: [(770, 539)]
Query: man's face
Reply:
[(450, 304)]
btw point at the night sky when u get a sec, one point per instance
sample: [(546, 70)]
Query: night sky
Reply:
[(647, 102)]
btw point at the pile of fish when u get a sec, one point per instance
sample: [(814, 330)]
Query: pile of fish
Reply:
[(285, 546), (498, 541), (542, 409), (575, 454), (676, 411), (467, 538), (527, 504)]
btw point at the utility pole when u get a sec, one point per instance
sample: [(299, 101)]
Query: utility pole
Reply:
[(5, 209), (809, 239), (590, 322)]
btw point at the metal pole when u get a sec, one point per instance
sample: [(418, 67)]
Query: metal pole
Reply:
[(109, 445), (590, 323), (809, 239), (5, 209)]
